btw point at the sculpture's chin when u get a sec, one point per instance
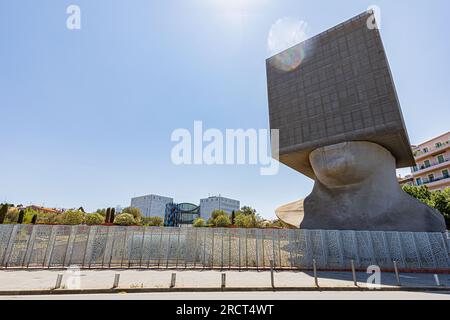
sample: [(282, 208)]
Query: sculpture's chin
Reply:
[(340, 166)]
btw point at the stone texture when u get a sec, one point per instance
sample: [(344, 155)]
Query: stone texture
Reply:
[(335, 87), (356, 189)]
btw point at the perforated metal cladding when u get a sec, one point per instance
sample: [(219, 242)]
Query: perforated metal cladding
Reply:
[(340, 89), (28, 246)]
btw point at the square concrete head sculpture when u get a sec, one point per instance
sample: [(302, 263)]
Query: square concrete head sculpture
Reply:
[(333, 99)]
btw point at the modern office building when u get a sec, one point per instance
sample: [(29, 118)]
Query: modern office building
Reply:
[(181, 214), (208, 205), (158, 206), (432, 163), (151, 205)]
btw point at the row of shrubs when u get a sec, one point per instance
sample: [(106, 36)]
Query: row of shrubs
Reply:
[(128, 217), (245, 218)]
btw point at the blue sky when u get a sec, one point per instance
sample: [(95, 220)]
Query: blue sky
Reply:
[(86, 115)]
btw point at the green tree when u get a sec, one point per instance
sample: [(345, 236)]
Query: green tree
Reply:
[(73, 217), (112, 216), (216, 218), (3, 213), (94, 219), (34, 219), (233, 217), (107, 216), (248, 211), (421, 193), (441, 201), (217, 213), (222, 221), (199, 223), (101, 211), (21, 216), (135, 212), (125, 219), (244, 221)]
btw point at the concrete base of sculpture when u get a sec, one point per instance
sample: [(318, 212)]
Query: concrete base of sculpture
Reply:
[(356, 189)]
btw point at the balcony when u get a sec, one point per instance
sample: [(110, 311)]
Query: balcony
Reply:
[(435, 180), (433, 166), (420, 154)]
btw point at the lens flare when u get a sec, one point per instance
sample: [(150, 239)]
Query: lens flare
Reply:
[(290, 59), (286, 33)]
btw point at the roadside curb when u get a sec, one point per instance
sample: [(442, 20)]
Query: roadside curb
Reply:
[(237, 289)]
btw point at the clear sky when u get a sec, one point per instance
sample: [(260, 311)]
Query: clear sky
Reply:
[(86, 115)]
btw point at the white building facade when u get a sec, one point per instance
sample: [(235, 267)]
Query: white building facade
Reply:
[(208, 205), (151, 205)]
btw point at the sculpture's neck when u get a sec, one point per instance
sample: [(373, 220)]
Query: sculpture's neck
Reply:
[(380, 189)]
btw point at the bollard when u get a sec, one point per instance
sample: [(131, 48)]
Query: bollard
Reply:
[(354, 273), (272, 280), (172, 280), (223, 280), (436, 279), (315, 273), (116, 280), (396, 273), (58, 281)]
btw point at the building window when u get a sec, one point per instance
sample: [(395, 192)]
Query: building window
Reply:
[(419, 181), (425, 150), (431, 177), (440, 158), (427, 163), (445, 174), (439, 144)]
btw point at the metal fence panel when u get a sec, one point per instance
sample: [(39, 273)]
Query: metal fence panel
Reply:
[(318, 247), (251, 253), (5, 236), (284, 248), (395, 248), (18, 246), (98, 247), (58, 253), (349, 249), (380, 249), (43, 246), (134, 248), (424, 250), (439, 250), (118, 248), (409, 250), (365, 249), (39, 246)]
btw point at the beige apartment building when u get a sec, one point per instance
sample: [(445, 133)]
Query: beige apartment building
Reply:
[(432, 164)]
